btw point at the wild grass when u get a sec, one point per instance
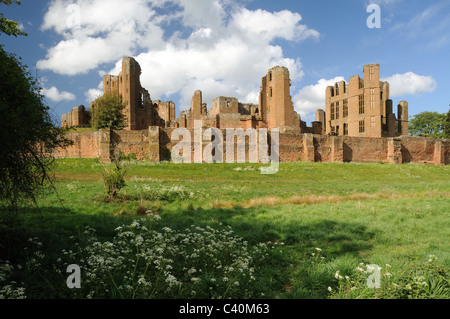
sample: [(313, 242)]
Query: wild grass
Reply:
[(316, 219)]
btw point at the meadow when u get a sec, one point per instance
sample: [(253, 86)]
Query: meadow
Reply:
[(311, 231)]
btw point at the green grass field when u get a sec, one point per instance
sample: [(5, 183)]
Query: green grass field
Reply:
[(321, 225)]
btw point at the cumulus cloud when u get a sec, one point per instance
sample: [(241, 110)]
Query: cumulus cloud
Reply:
[(93, 94), (312, 97), (56, 96), (221, 48), (410, 83), (96, 32)]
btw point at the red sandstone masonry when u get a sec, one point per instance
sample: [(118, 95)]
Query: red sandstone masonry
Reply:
[(155, 143)]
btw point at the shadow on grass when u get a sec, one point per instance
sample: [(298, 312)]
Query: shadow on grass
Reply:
[(294, 240), (290, 269), (333, 236), (53, 225)]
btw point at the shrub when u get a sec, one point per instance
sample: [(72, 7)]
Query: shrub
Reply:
[(113, 179)]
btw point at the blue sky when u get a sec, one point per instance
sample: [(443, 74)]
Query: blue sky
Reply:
[(225, 47)]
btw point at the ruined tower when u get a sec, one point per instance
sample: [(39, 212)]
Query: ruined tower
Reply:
[(140, 112), (197, 105), (127, 83), (275, 102), (76, 117)]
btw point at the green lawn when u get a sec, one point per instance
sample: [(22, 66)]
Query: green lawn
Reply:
[(352, 215)]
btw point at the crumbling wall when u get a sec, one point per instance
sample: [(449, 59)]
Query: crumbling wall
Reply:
[(365, 149), (156, 144), (85, 145), (418, 150)]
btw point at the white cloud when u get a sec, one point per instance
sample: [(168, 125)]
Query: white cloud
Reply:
[(261, 25), (312, 97), (54, 95), (96, 32), (410, 83), (222, 48), (93, 94)]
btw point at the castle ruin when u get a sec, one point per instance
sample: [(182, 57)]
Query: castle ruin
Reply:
[(357, 125), (275, 107)]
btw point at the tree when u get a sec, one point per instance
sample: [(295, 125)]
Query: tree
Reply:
[(7, 26), (428, 124), (447, 126), (28, 134), (107, 112)]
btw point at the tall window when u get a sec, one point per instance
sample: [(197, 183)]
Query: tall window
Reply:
[(337, 89), (372, 99), (337, 111), (345, 108), (345, 129), (362, 127), (372, 122), (332, 111), (361, 104)]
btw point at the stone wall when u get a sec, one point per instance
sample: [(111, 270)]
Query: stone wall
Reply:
[(155, 144)]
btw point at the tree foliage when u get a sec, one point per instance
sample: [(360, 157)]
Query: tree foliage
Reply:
[(28, 134), (9, 27), (428, 124), (107, 112), (447, 125)]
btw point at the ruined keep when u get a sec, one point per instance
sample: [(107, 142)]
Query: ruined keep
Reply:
[(362, 108)]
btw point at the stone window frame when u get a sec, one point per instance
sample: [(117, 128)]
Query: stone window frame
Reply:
[(362, 126), (372, 99), (345, 108), (337, 111), (372, 122), (361, 104)]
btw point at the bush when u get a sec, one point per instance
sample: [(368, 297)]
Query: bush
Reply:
[(113, 179)]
